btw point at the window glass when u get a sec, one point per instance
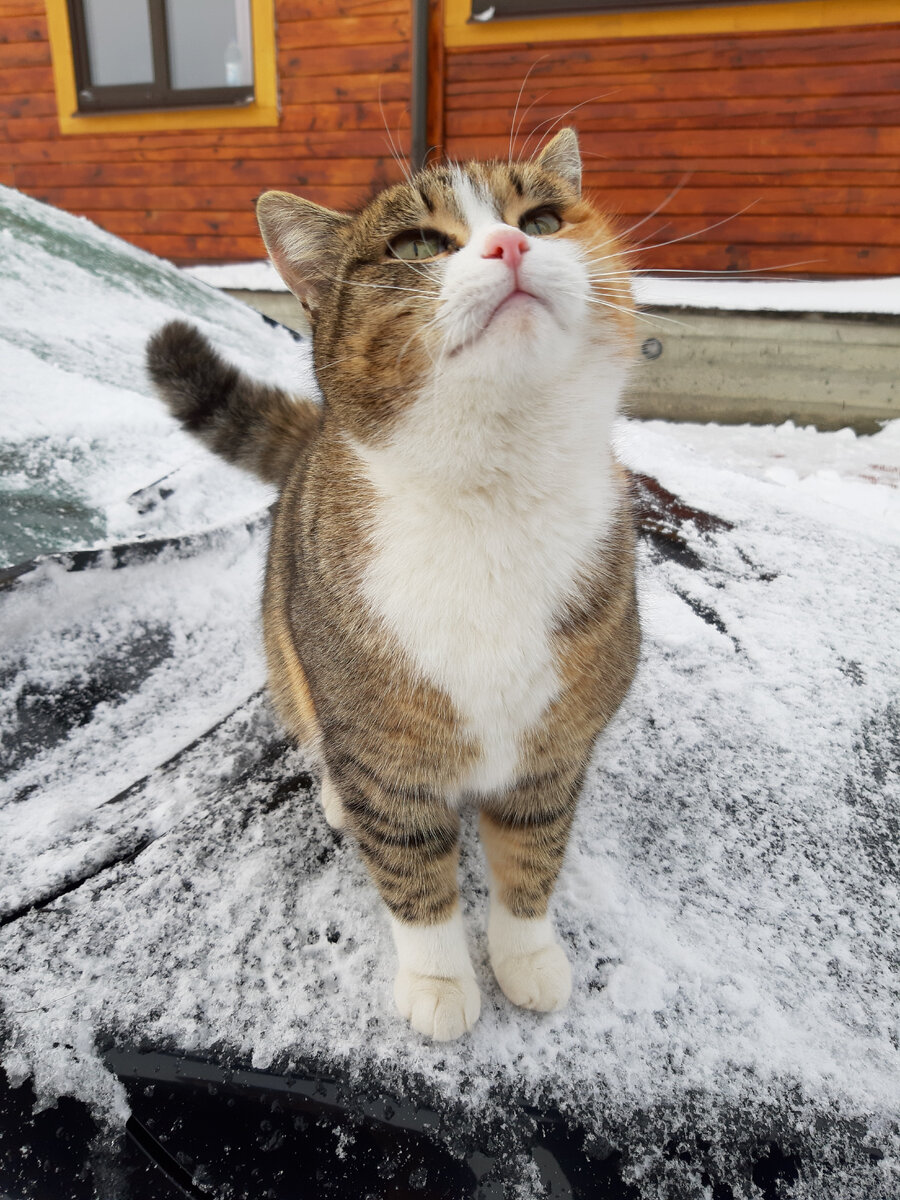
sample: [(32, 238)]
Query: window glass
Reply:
[(119, 43), (209, 43)]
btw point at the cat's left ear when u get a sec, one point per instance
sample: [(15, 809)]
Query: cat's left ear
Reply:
[(562, 157), (304, 242)]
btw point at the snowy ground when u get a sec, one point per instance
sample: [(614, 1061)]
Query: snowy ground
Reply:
[(730, 898)]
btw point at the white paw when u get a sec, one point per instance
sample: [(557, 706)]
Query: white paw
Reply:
[(541, 979), (331, 804), (441, 1008)]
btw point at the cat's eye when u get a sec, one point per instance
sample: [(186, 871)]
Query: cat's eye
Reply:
[(418, 244), (544, 221)]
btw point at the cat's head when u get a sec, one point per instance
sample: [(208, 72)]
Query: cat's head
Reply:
[(488, 274)]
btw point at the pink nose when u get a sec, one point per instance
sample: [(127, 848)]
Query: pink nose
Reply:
[(506, 243)]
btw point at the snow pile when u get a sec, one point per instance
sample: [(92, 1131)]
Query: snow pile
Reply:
[(838, 296), (730, 898), (240, 277), (81, 430)]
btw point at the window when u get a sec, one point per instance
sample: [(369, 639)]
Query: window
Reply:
[(491, 10), (161, 53), (139, 65)]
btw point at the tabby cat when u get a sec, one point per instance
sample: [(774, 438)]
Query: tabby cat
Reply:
[(449, 605)]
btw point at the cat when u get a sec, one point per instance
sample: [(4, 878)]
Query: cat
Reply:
[(449, 607)]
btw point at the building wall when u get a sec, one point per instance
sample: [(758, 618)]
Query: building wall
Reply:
[(343, 75), (764, 150)]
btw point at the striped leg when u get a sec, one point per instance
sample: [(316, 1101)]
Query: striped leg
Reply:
[(410, 846), (524, 837)]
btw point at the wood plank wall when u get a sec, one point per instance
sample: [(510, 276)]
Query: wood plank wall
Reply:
[(189, 195), (787, 144)]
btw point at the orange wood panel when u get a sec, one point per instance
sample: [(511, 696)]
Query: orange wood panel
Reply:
[(189, 248), (787, 142), (15, 81), (43, 105), (343, 70), (344, 32), (152, 199), (23, 54), (254, 173), (705, 145), (812, 200), (190, 221), (22, 26), (302, 10), (333, 60), (731, 52), (736, 112)]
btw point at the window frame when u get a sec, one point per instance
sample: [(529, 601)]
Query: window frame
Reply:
[(527, 10), (462, 33), (160, 94), (194, 109)]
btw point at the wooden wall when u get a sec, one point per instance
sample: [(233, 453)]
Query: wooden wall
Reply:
[(787, 143), (765, 150), (189, 195)]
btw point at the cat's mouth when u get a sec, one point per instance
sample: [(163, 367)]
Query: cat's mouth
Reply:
[(517, 298)]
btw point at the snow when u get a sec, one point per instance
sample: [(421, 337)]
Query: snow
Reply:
[(722, 291), (730, 895), (240, 277), (836, 296), (81, 433)]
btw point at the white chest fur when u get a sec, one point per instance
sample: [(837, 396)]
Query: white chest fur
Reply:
[(482, 526)]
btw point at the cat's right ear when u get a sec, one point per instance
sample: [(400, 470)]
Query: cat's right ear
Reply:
[(304, 242)]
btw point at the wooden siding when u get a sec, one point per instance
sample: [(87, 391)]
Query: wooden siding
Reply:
[(766, 151), (343, 74)]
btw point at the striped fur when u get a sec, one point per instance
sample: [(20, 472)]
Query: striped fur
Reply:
[(449, 608), (253, 425)]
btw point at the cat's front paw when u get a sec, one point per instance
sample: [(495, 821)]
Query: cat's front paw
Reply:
[(441, 1008), (541, 979)]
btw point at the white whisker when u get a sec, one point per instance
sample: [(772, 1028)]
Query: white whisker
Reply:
[(512, 130)]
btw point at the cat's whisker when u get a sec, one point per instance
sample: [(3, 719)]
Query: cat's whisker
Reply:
[(421, 271), (388, 287), (394, 148), (686, 237), (762, 273), (524, 116), (649, 217), (644, 318), (419, 333), (513, 131), (336, 362), (554, 121)]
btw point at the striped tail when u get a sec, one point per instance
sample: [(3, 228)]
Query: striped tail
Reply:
[(253, 425)]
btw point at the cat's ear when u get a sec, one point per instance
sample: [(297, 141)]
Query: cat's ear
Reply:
[(562, 157), (304, 242)]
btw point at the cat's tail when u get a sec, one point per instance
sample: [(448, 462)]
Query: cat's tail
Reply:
[(253, 425)]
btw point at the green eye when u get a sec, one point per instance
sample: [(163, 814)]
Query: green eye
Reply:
[(418, 244), (536, 224)]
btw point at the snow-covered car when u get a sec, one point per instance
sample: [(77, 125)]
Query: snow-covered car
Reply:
[(189, 1006)]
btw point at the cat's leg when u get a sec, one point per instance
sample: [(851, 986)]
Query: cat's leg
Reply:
[(524, 836), (410, 846), (332, 806)]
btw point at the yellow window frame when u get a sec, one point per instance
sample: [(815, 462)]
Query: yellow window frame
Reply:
[(460, 32), (263, 110)]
